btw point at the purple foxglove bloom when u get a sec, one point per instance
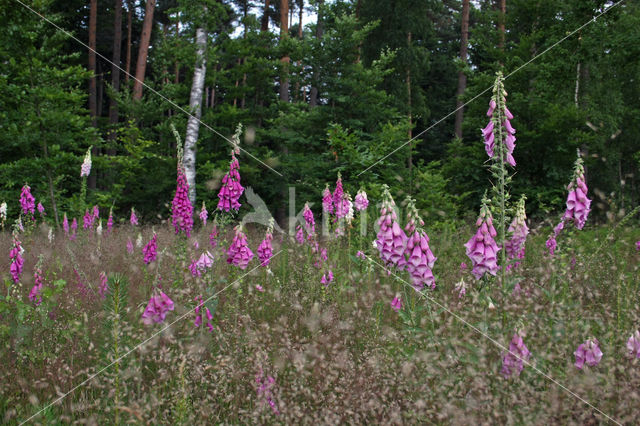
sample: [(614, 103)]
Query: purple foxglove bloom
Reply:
[(503, 117), (463, 266), (157, 308), (492, 107), (330, 276), (419, 259), (361, 255), (40, 208), (35, 293), (578, 204), (309, 220), (213, 237), (198, 320), (133, 219), (231, 189), (110, 221), (299, 235), (150, 250), (559, 227), (27, 202), (392, 240), (203, 214), (327, 200), (259, 288), (589, 352), (239, 253), (396, 304), (638, 245), (551, 245), (195, 271), (205, 261), (482, 248), (633, 344), (361, 201), (74, 228), (95, 213), (65, 224), (181, 208), (87, 220), (129, 246), (513, 361), (338, 193)]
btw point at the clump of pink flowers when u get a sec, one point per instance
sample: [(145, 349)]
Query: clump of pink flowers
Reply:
[(419, 258), (633, 344), (327, 278), (361, 201), (588, 352), (265, 249), (27, 202), (578, 205), (157, 308), (231, 189), (17, 262), (499, 116), (396, 303), (391, 241), (181, 208), (239, 253), (513, 360), (515, 246), (204, 262), (482, 248), (150, 250), (203, 214)]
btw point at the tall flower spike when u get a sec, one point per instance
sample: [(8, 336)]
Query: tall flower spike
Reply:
[(337, 194), (27, 202), (17, 262), (213, 236), (203, 214), (499, 134), (150, 250), (265, 249), (110, 221), (309, 220), (239, 253), (482, 248), (231, 189), (133, 219), (361, 201), (519, 230), (419, 258), (327, 200), (392, 240), (578, 205), (513, 361), (85, 169), (181, 208)]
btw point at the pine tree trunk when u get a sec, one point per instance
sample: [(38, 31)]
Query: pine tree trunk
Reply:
[(313, 96), (462, 77), (284, 31), (195, 107), (301, 4), (129, 15), (409, 107), (501, 21), (143, 51), (115, 73), (264, 22), (93, 107)]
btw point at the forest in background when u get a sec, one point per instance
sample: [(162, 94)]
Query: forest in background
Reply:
[(334, 95)]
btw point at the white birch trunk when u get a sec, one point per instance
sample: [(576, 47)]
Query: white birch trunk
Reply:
[(195, 107)]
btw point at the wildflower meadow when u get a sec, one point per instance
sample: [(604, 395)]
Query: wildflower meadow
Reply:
[(360, 294)]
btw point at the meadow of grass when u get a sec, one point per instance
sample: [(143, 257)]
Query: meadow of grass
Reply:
[(302, 352)]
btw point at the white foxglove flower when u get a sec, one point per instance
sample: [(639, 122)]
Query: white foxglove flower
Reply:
[(85, 169)]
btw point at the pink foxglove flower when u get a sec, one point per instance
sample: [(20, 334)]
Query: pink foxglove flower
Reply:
[(361, 201), (551, 245), (265, 391), (87, 220), (638, 245), (361, 255), (500, 116), (327, 200), (588, 352), (35, 293), (65, 224), (195, 271), (578, 205), (239, 253), (74, 228), (633, 344), (85, 169), (150, 250), (259, 288), (27, 202), (482, 248), (396, 304), (17, 262), (203, 214), (338, 193), (157, 308), (213, 237), (515, 246), (198, 321), (461, 288), (110, 221), (40, 208), (299, 235), (392, 240), (265, 249), (133, 219), (129, 246), (419, 258), (231, 189), (181, 208), (310, 222), (95, 213), (513, 361)]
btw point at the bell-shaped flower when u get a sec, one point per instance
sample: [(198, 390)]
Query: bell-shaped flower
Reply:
[(588, 352), (513, 361), (482, 248), (633, 344), (239, 253), (181, 208), (157, 308), (150, 250)]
